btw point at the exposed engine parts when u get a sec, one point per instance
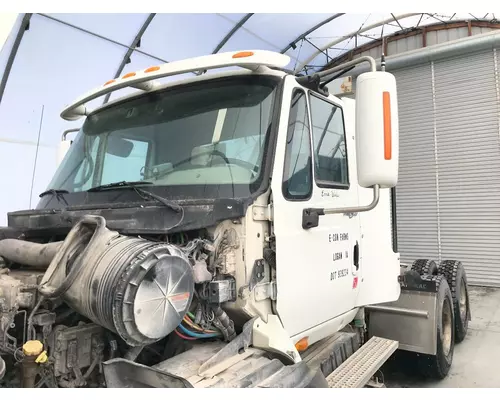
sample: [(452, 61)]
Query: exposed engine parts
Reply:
[(219, 291), (67, 306), (18, 293), (134, 287), (74, 349)]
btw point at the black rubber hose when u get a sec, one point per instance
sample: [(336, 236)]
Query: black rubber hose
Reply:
[(29, 253)]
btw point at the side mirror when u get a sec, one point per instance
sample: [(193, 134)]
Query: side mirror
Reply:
[(377, 129), (64, 145)]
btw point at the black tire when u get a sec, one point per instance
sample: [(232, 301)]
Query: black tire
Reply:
[(456, 277), (425, 267), (438, 365), (2, 368)]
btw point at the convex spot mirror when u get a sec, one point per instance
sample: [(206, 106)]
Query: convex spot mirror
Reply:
[(119, 147), (116, 146)]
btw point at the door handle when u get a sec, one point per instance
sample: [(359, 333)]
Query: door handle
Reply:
[(356, 255)]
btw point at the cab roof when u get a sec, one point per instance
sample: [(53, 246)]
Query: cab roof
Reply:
[(251, 62)]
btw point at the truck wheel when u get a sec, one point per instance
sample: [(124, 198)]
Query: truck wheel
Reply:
[(425, 267), (2, 368), (438, 365), (456, 277)]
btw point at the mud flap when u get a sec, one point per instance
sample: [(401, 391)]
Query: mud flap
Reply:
[(410, 320)]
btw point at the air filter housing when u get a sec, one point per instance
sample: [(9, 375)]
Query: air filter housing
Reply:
[(136, 288)]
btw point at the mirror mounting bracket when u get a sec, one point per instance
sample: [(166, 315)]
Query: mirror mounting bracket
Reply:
[(65, 133)]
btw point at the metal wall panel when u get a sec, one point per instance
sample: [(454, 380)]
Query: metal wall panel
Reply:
[(467, 123), (416, 195), (448, 194), (479, 30), (408, 43)]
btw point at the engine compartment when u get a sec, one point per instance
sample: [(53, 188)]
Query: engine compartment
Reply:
[(105, 295)]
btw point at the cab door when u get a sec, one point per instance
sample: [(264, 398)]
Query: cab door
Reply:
[(317, 267)]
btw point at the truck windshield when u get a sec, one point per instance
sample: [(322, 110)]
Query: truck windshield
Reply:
[(208, 133)]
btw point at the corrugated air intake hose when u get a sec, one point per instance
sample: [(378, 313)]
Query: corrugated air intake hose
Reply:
[(139, 289)]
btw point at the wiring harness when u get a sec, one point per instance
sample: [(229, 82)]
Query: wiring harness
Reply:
[(197, 331), (207, 324)]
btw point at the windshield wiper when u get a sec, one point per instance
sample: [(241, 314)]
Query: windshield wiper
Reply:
[(133, 185), (55, 192), (114, 185), (58, 193)]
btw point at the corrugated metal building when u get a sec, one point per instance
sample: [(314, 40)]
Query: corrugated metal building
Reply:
[(448, 195)]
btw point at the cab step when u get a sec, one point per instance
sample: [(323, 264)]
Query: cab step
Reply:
[(328, 354), (358, 369)]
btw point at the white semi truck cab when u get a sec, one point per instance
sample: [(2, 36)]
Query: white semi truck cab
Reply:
[(230, 229)]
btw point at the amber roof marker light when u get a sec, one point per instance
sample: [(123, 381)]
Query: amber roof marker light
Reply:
[(243, 54)]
